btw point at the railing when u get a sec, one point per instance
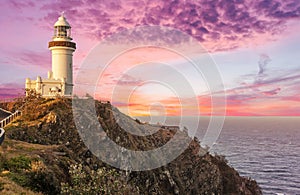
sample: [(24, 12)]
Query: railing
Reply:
[(6, 111), (2, 134), (10, 118)]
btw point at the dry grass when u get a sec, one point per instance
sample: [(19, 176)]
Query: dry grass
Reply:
[(13, 148), (11, 188)]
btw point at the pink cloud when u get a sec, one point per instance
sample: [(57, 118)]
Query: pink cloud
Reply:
[(271, 92)]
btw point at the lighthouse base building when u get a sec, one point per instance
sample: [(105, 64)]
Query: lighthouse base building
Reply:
[(60, 79), (49, 87)]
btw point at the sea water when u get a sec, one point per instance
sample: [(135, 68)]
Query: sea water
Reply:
[(266, 149)]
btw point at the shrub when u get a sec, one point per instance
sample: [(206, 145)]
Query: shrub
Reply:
[(1, 186), (20, 178), (17, 164), (102, 181), (2, 162)]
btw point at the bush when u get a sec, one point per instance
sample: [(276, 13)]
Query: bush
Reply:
[(20, 178), (102, 181), (43, 181), (2, 162), (17, 164), (1, 186), (17, 167)]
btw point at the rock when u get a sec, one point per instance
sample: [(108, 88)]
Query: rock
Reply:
[(51, 118)]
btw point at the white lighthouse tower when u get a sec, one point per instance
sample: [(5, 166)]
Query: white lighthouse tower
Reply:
[(60, 79), (62, 49)]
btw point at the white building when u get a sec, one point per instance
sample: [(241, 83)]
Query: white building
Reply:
[(60, 79)]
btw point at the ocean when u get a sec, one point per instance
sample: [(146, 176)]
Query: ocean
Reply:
[(266, 149)]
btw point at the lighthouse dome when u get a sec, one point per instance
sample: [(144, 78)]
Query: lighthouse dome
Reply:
[(62, 22)]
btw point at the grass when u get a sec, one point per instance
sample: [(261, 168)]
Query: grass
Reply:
[(8, 187), (21, 165)]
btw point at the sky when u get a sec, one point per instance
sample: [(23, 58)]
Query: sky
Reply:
[(255, 46)]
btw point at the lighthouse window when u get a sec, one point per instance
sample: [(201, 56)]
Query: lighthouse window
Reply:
[(62, 31)]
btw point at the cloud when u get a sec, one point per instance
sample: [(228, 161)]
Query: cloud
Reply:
[(27, 58), (230, 22), (11, 90), (127, 80), (219, 24), (271, 92), (35, 58), (21, 4), (263, 62), (275, 95), (270, 82)]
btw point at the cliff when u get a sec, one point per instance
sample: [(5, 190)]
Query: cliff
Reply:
[(44, 153)]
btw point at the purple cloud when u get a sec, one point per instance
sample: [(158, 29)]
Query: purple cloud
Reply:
[(229, 20), (11, 90), (35, 58), (271, 88), (27, 57), (21, 4), (215, 21), (271, 92)]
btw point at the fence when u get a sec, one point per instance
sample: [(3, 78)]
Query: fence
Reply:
[(2, 134), (9, 119), (5, 111)]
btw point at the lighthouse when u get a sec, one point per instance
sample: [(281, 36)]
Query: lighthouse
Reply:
[(62, 49), (60, 78)]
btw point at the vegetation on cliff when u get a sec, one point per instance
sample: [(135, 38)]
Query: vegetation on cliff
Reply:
[(43, 153)]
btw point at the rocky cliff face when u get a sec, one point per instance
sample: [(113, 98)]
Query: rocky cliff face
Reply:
[(49, 123)]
